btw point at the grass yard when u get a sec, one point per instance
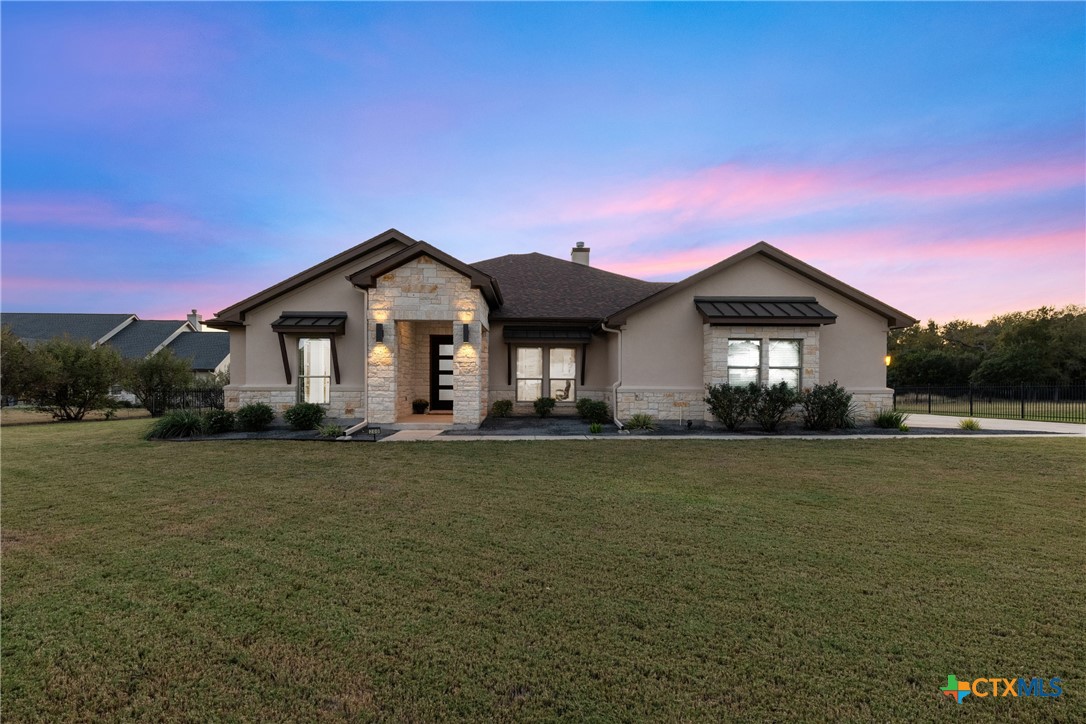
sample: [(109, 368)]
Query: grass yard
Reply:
[(624, 580)]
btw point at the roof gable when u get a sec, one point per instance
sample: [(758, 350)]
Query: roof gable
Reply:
[(367, 278), (234, 315), (537, 286), (144, 336), (206, 350), (894, 317)]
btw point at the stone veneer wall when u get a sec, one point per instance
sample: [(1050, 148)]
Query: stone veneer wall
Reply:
[(424, 290), (869, 403), (343, 402), (663, 404)]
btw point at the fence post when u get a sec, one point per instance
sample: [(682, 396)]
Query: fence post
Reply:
[(970, 400), (1023, 390), (929, 400)]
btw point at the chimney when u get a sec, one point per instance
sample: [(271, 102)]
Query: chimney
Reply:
[(579, 254), (196, 321)]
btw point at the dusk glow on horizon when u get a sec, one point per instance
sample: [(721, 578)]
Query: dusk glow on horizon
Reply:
[(159, 157)]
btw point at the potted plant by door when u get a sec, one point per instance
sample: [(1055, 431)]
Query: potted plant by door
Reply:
[(420, 406)]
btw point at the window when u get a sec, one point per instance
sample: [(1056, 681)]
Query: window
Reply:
[(744, 361), (560, 373), (314, 370), (563, 371), (529, 373), (784, 362)]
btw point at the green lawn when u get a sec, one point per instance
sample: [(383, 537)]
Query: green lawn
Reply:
[(723, 580)]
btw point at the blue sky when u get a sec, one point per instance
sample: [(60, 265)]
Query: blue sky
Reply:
[(158, 157)]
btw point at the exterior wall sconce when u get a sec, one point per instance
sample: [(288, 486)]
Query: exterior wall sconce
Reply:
[(887, 360), (380, 333), (467, 332)]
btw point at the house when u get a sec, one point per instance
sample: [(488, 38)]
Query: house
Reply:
[(393, 319), (132, 337)]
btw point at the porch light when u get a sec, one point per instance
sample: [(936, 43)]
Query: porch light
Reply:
[(380, 335), (467, 332), (887, 360)]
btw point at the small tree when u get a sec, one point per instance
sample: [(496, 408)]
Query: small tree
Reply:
[(155, 379), (16, 370), (72, 378)]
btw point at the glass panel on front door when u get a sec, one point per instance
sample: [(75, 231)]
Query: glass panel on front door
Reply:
[(441, 372)]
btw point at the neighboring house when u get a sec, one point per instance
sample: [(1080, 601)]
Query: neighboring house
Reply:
[(394, 319), (132, 337)]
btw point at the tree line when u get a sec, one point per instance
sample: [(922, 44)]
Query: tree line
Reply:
[(1039, 346), (70, 378)]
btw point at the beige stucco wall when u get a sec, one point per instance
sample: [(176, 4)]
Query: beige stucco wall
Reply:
[(663, 344), (600, 371)]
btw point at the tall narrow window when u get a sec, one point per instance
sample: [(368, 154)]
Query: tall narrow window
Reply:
[(529, 373), (314, 370), (744, 361), (784, 362), (563, 374)]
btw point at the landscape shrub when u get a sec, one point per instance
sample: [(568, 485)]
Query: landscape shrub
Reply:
[(594, 410), (595, 428), (218, 421), (67, 379), (827, 407), (156, 379), (174, 424), (330, 430), (891, 419), (304, 416), (641, 421), (501, 408), (544, 405), (254, 417), (969, 424), (771, 404), (728, 404)]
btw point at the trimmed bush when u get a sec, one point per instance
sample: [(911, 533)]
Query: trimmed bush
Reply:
[(641, 422), (304, 416), (544, 405), (174, 424), (218, 421), (826, 407), (772, 404), (501, 408), (891, 419), (728, 404), (254, 417), (594, 410)]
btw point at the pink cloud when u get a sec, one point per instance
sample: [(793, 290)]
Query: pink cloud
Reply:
[(91, 213)]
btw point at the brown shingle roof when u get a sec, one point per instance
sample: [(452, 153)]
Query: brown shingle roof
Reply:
[(536, 286)]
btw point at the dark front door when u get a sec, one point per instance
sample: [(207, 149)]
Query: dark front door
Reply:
[(441, 371)]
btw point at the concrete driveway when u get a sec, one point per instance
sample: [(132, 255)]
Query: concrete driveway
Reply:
[(987, 423)]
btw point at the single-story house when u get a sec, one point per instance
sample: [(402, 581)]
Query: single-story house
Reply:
[(132, 337), (393, 320)]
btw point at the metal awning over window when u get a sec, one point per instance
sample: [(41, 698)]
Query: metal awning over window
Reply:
[(310, 322), (547, 335), (769, 311)]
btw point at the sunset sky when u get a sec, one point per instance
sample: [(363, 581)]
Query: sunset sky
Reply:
[(158, 157)]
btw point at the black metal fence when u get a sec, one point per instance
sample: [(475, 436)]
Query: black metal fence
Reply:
[(195, 399), (1059, 403)]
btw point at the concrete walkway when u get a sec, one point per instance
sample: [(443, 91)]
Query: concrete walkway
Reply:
[(944, 422)]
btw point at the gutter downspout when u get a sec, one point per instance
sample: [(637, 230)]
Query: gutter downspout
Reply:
[(618, 382), (365, 372)]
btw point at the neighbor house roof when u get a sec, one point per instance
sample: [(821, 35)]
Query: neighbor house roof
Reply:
[(895, 318), (32, 327), (144, 336), (537, 286), (207, 350)]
